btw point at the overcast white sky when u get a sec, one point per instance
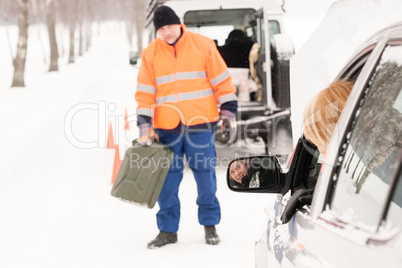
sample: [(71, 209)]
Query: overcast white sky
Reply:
[(302, 18), (307, 7)]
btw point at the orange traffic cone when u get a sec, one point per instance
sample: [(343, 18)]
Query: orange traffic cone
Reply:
[(110, 140), (117, 164), (126, 124)]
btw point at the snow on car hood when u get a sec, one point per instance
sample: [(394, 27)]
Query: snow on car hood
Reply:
[(345, 27)]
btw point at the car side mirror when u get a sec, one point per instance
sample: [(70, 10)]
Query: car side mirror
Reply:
[(133, 57), (255, 174)]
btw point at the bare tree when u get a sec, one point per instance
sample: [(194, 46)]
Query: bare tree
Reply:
[(73, 6), (51, 27), (88, 25), (5, 8), (80, 21), (37, 12), (62, 16), (140, 22), (134, 16), (128, 11), (20, 58)]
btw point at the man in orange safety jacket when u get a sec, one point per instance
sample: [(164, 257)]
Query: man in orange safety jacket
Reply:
[(181, 80)]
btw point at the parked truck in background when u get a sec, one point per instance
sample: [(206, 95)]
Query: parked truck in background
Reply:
[(250, 37)]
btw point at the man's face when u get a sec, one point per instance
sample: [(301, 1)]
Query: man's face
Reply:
[(169, 33)]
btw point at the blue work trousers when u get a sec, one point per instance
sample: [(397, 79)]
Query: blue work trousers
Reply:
[(199, 149)]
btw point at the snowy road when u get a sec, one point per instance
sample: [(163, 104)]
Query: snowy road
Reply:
[(55, 203)]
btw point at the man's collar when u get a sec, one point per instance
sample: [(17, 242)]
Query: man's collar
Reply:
[(181, 34)]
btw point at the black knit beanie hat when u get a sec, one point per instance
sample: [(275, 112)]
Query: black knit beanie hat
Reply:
[(164, 15)]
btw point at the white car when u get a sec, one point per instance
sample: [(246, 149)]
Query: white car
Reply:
[(344, 209)]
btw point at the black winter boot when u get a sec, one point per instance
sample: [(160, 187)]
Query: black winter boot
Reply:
[(211, 237), (163, 239)]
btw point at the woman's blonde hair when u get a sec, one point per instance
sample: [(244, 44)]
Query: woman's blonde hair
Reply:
[(323, 111)]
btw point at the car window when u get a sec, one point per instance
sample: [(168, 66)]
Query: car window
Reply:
[(356, 65), (217, 24), (273, 26), (372, 147)]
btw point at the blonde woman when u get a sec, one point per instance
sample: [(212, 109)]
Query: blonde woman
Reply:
[(323, 111)]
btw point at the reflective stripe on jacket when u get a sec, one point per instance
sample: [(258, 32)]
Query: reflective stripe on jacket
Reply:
[(183, 82)]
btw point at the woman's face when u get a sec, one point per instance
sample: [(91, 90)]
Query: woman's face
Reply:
[(238, 169)]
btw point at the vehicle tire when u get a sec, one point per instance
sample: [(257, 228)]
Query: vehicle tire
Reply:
[(281, 52), (223, 136)]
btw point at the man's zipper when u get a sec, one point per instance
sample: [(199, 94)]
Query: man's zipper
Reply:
[(175, 78)]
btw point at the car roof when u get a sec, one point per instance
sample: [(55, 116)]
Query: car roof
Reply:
[(181, 7)]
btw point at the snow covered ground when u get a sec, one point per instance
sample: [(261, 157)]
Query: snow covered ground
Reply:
[(55, 172), (55, 203)]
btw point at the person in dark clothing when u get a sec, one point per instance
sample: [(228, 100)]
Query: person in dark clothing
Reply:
[(183, 89), (236, 50)]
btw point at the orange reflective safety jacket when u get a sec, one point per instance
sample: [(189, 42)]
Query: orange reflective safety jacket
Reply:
[(183, 83)]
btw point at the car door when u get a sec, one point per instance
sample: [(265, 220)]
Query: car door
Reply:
[(367, 174), (361, 217)]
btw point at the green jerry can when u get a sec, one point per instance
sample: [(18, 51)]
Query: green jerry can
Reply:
[(142, 173)]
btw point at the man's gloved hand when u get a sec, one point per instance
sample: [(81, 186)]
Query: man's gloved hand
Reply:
[(146, 135), (229, 120)]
